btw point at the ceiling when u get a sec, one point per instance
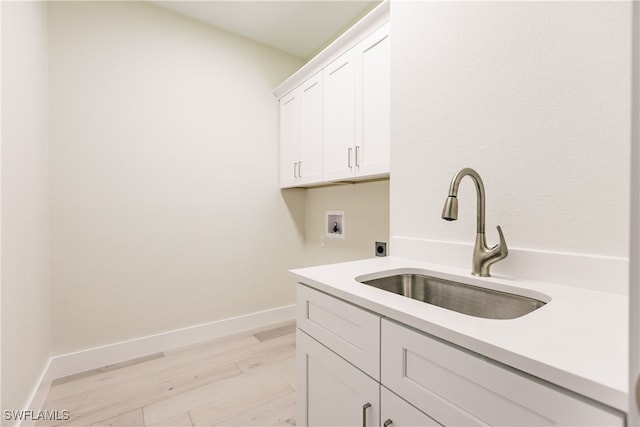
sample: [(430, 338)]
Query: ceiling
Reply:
[(299, 27)]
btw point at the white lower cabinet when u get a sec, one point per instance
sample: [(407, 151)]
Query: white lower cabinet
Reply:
[(419, 380), (396, 412), (459, 388), (331, 391), (349, 331)]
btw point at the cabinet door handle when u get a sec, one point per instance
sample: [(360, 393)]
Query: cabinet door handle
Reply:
[(295, 174), (349, 156), (387, 423), (300, 169), (364, 413), (638, 392), (357, 155)]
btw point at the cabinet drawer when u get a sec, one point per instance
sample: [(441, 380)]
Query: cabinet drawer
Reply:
[(351, 332), (456, 387)]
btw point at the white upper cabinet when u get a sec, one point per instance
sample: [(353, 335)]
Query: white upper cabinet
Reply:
[(340, 117), (372, 104), (310, 166), (356, 110), (290, 137), (335, 125), (301, 134)]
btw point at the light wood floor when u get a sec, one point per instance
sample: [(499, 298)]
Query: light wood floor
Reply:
[(243, 380)]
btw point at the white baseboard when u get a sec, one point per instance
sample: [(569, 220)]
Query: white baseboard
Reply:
[(84, 360), (600, 273), (36, 398), (97, 357)]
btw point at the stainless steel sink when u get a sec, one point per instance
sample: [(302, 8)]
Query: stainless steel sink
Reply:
[(460, 297)]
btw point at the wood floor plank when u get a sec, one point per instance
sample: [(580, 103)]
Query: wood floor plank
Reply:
[(228, 379), (100, 404), (157, 371), (266, 357), (108, 368), (151, 368), (232, 355), (217, 344), (211, 395), (275, 412), (179, 420), (256, 390), (169, 375), (289, 372), (129, 419), (273, 326), (284, 368), (276, 332)]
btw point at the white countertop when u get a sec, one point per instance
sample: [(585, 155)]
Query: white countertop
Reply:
[(578, 340)]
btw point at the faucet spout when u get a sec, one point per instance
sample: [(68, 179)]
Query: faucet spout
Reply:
[(483, 257), (452, 199)]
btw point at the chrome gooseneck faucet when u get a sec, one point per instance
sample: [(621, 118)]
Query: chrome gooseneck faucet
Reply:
[(483, 256)]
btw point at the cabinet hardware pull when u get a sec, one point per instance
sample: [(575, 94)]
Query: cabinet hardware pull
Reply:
[(349, 156), (387, 423), (357, 156), (364, 413), (295, 174), (638, 392), (300, 169)]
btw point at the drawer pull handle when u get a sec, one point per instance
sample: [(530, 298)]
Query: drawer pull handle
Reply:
[(295, 174), (349, 157), (387, 423), (364, 413), (638, 392)]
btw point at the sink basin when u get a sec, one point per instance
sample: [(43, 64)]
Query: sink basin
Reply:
[(460, 297)]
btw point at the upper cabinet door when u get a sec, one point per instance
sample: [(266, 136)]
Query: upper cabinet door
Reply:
[(357, 110), (301, 134), (372, 108), (290, 138), (310, 166), (339, 117)]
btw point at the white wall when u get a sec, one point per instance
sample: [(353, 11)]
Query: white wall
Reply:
[(535, 96), (366, 207), (25, 201), (165, 205)]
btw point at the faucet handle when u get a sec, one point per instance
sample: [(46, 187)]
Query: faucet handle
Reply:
[(502, 246)]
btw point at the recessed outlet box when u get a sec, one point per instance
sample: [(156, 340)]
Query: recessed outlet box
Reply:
[(381, 248), (335, 224)]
